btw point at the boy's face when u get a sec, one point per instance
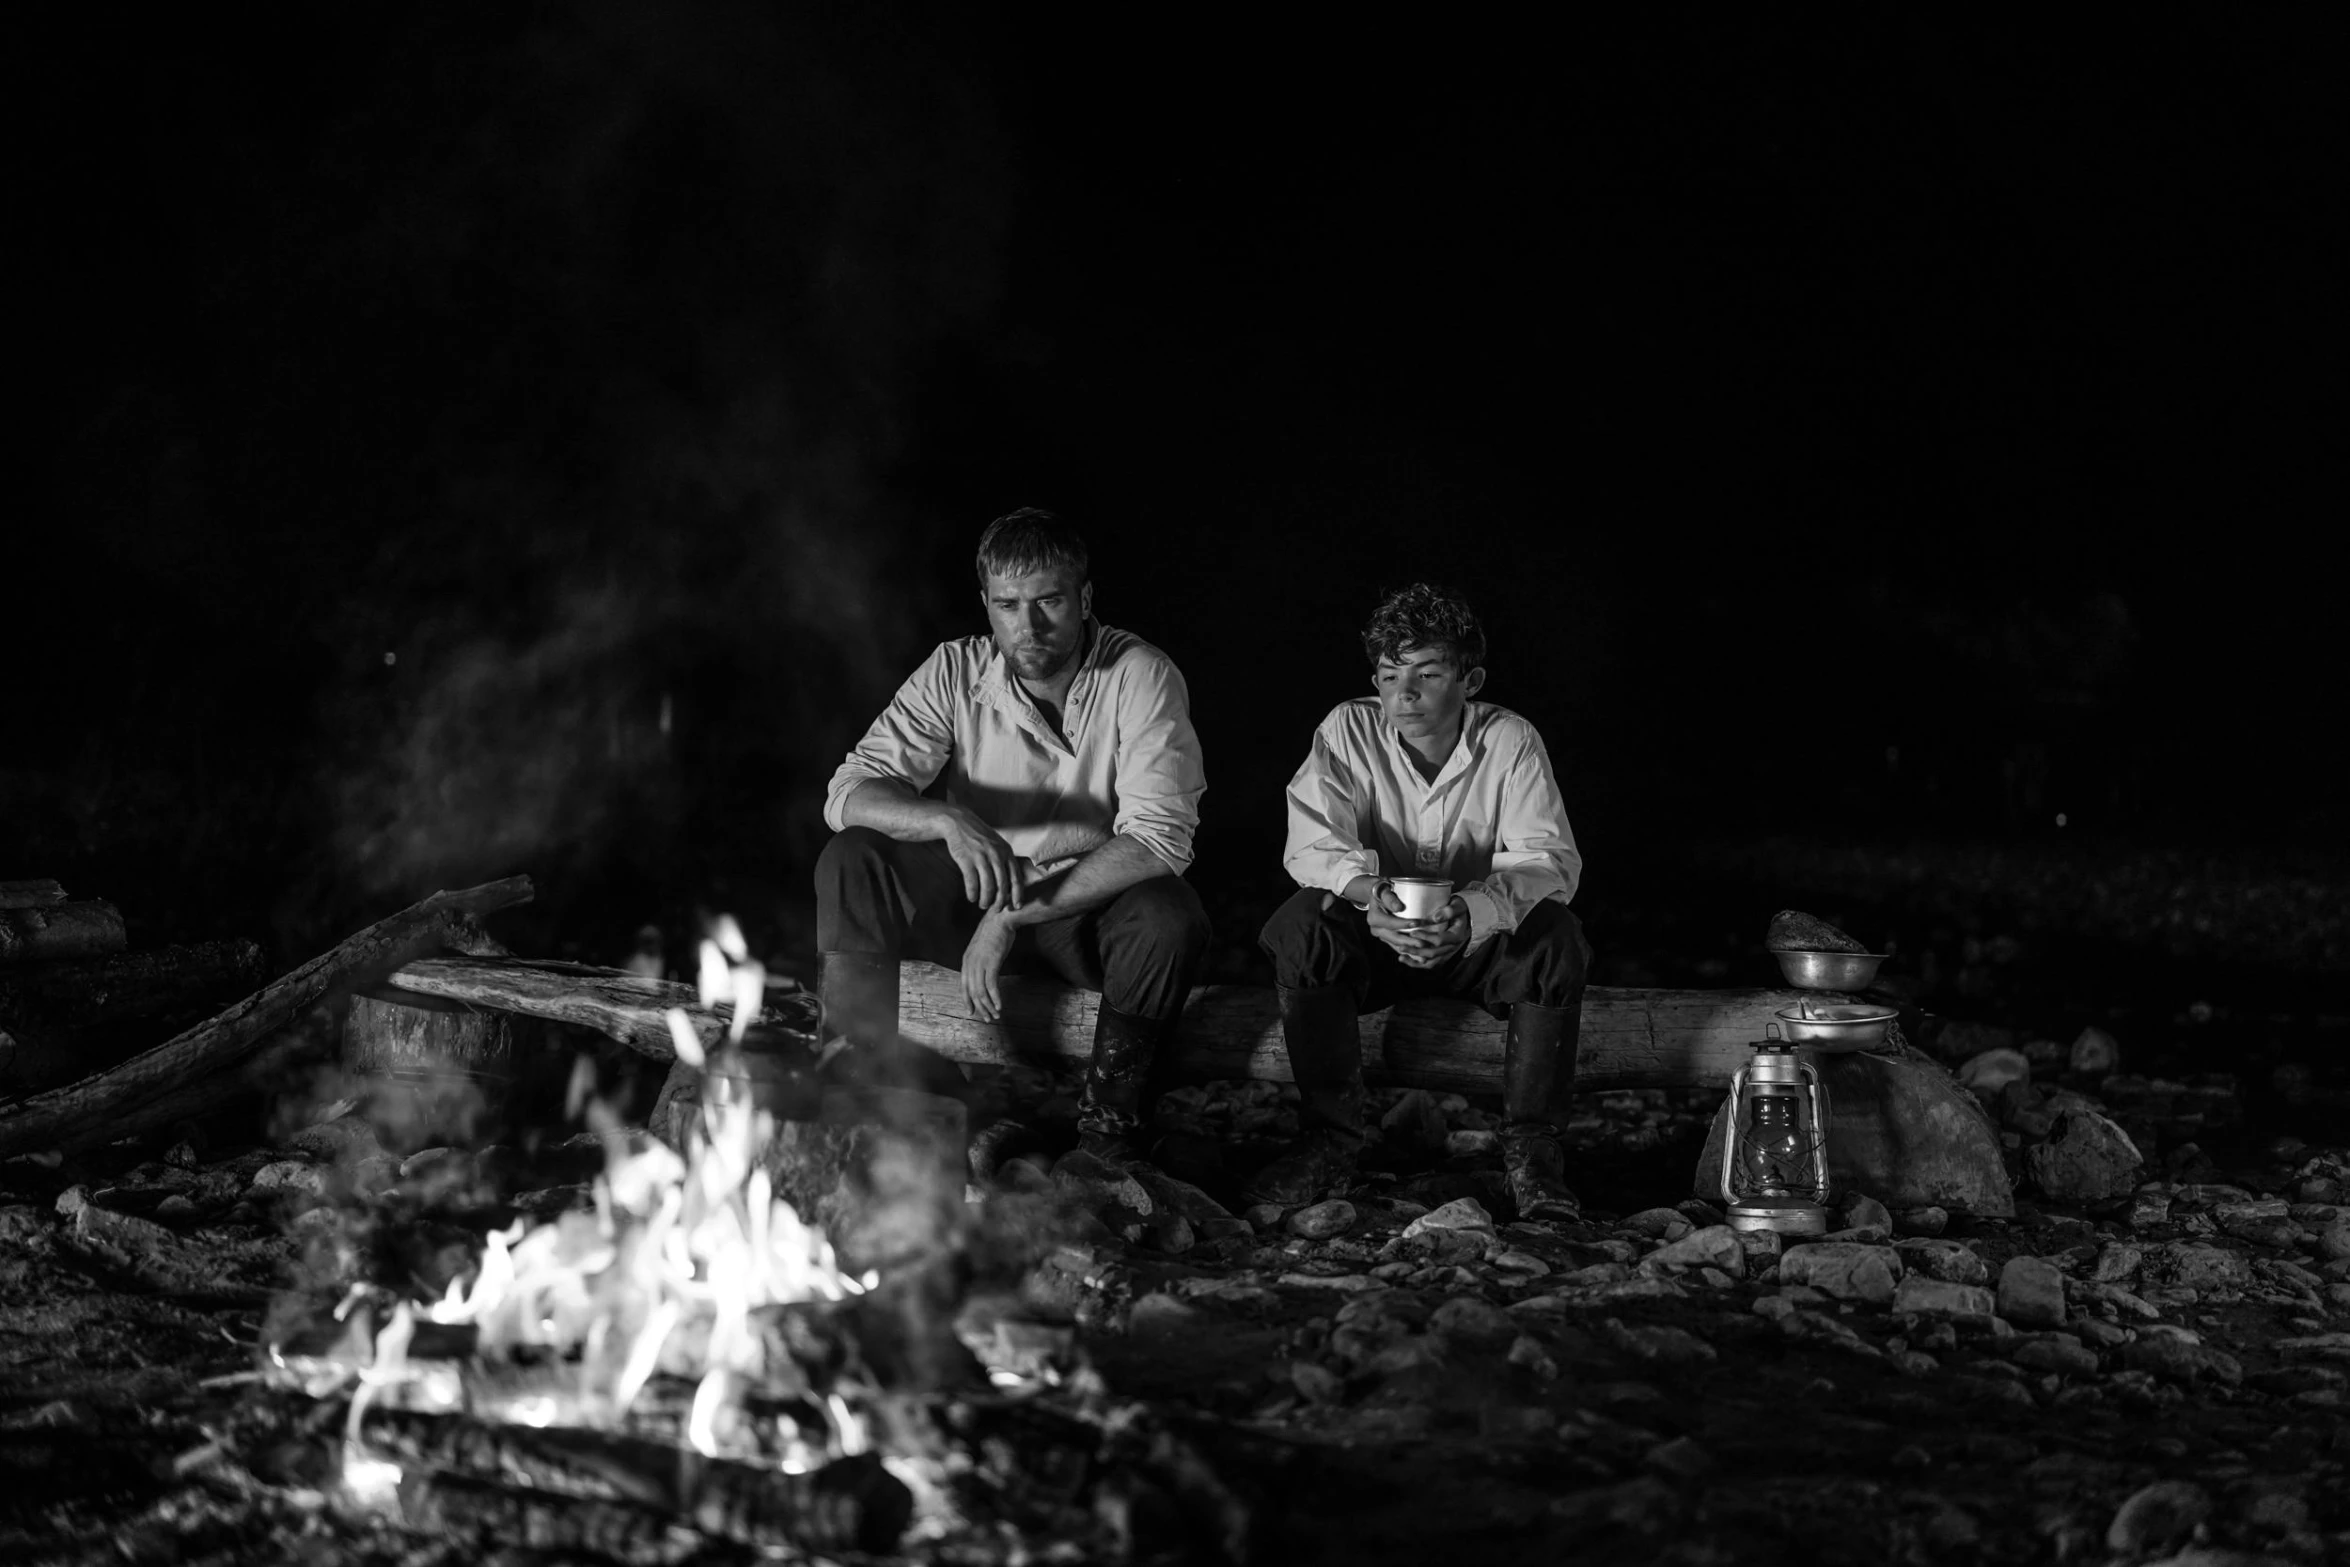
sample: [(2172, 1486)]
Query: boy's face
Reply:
[(1422, 691)]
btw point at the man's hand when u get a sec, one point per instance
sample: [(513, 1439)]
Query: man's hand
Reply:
[(983, 966), (991, 872)]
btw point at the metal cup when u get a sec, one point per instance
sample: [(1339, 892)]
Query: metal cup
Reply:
[(1422, 897)]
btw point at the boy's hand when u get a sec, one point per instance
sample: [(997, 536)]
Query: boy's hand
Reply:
[(1437, 941)]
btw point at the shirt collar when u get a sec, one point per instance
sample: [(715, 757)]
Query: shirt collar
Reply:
[(998, 686), (1464, 747)]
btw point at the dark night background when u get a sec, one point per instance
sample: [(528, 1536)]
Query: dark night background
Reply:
[(1865, 437)]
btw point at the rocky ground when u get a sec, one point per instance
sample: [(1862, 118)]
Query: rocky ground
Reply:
[(2155, 1373)]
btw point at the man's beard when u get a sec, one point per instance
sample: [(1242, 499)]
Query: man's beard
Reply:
[(1025, 661)]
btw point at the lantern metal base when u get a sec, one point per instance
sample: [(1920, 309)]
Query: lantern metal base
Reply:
[(1784, 1215)]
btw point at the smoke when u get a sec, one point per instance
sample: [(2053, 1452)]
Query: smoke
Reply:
[(690, 263)]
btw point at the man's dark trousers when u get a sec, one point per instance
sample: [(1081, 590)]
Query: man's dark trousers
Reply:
[(889, 900)]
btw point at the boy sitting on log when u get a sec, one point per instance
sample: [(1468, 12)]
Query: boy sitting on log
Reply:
[(1421, 781)]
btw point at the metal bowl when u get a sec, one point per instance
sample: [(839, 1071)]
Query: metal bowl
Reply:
[(1830, 970), (1833, 1026)]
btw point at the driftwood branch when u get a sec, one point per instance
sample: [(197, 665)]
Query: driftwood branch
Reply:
[(1631, 1038), (47, 934), (193, 1072)]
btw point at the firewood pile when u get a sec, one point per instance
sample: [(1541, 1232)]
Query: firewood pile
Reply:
[(72, 994)]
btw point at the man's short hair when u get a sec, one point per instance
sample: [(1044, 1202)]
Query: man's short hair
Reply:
[(1027, 540), (1425, 615)]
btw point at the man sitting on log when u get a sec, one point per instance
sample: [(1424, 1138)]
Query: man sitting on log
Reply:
[(1420, 781), (1037, 789)]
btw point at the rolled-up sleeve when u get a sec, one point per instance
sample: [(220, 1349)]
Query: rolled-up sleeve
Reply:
[(1158, 772), (909, 743), (1534, 855), (1325, 848)]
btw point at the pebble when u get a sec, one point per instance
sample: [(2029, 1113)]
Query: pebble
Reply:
[(1989, 1071), (1461, 1145), (1462, 1213), (1845, 1270), (1659, 1224), (1523, 1263), (1659, 1342), (2333, 1242), (1863, 1212), (1528, 1352), (1716, 1246), (1953, 1261), (2057, 1352), (1316, 1384), (2157, 1516), (1928, 1220), (1323, 1219), (1683, 1457), (1931, 1297), (291, 1175), (2180, 1360), (1263, 1216), (1473, 1321), (2031, 1292), (1329, 1281), (2094, 1053)]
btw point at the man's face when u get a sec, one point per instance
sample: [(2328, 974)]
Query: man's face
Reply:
[(1038, 619), (1422, 691)]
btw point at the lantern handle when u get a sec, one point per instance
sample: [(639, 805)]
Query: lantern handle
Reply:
[(1730, 1133), (1819, 1127)]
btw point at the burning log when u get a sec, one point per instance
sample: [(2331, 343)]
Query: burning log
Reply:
[(192, 1073), (495, 1517), (38, 893), (1631, 1038), (48, 933), (503, 1478)]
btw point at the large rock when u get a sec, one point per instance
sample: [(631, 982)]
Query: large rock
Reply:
[(2086, 1158), (1900, 1129)]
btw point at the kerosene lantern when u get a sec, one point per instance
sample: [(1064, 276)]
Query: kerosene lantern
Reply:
[(1775, 1149)]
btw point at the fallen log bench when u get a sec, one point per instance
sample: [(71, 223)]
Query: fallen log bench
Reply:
[(1631, 1037), (1900, 1128)]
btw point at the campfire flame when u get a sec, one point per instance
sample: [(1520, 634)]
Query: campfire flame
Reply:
[(664, 1274)]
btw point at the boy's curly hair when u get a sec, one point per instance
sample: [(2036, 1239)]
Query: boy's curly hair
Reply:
[(1425, 615)]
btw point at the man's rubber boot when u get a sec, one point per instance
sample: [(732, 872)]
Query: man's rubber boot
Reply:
[(1325, 1046), (1109, 1107), (859, 993), (1537, 1069)]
